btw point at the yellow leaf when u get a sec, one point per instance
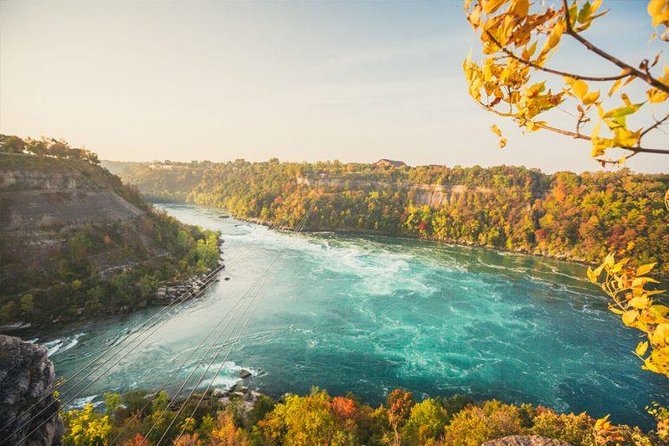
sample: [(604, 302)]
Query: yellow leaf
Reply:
[(659, 12), (553, 37), (659, 310), (614, 87), (619, 266), (474, 17), (520, 7), (595, 5), (591, 98), (645, 269), (630, 316), (641, 348), (490, 6), (528, 52), (497, 131), (656, 96), (626, 138), (639, 302), (602, 423), (578, 87), (641, 281), (615, 310)]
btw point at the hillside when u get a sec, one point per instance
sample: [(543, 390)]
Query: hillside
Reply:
[(75, 242), (563, 215)]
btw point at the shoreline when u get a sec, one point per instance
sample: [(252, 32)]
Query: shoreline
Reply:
[(363, 232), (175, 291)]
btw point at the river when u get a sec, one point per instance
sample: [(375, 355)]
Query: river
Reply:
[(369, 314)]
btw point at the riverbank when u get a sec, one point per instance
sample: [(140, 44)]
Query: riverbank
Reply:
[(403, 235), (568, 216), (166, 293)]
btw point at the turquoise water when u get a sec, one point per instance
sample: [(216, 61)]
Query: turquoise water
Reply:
[(368, 314)]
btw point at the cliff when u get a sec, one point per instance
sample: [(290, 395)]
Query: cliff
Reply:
[(75, 241), (28, 410), (45, 201)]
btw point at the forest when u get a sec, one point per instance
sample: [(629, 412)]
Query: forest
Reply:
[(580, 217), (63, 270), (137, 418)]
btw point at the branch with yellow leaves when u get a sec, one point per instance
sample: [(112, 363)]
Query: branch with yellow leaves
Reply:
[(536, 66), (579, 135), (512, 31), (631, 70), (638, 308)]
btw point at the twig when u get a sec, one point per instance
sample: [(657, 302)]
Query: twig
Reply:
[(536, 66), (575, 135), (632, 70)]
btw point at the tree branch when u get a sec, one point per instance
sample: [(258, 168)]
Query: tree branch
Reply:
[(512, 55), (650, 80), (636, 149)]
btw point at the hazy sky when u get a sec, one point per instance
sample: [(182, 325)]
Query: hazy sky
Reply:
[(355, 81)]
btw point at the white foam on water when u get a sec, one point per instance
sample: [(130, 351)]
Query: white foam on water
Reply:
[(227, 377), (79, 403), (62, 345), (379, 270)]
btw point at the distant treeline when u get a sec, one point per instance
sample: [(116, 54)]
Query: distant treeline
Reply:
[(565, 215)]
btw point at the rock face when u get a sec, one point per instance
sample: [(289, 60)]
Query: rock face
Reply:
[(525, 440), (26, 403)]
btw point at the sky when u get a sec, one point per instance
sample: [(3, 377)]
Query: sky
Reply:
[(309, 80)]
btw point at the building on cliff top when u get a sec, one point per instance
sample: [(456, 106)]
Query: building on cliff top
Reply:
[(384, 162)]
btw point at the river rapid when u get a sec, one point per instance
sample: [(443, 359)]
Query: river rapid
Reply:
[(369, 314)]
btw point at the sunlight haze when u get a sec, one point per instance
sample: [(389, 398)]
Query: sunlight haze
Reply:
[(352, 81)]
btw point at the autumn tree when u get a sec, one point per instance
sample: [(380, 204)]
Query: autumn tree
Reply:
[(615, 111), (86, 427), (309, 420), (515, 79), (399, 404)]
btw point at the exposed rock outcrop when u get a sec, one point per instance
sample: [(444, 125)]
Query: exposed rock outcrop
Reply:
[(27, 408), (525, 440)]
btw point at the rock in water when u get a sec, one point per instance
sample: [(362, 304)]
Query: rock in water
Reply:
[(525, 440), (26, 400), (243, 374)]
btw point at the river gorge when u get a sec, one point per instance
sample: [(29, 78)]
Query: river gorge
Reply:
[(369, 314)]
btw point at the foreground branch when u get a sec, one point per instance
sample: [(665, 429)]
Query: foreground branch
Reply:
[(635, 149), (529, 63), (646, 76)]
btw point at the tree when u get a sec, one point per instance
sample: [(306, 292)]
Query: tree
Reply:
[(400, 403), (226, 433), (510, 81), (86, 427), (306, 421), (514, 78), (26, 304), (9, 312), (425, 424)]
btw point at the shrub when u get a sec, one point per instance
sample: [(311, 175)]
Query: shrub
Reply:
[(574, 429), (476, 424), (425, 424)]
